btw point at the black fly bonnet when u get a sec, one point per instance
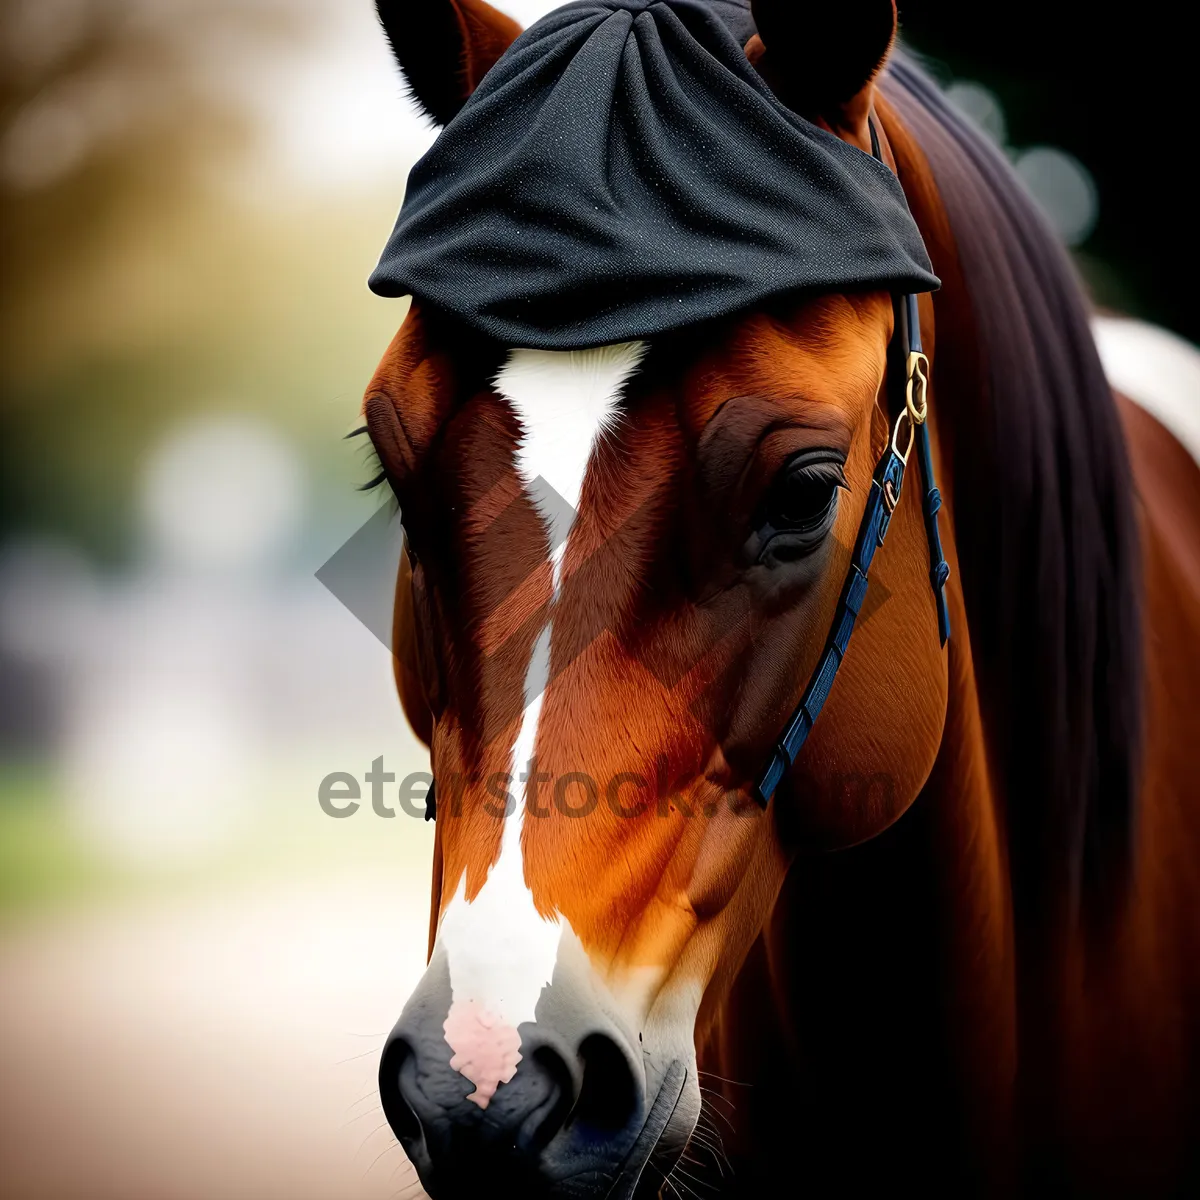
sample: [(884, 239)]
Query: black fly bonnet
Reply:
[(623, 171)]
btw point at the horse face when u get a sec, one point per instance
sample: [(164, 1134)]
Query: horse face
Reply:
[(623, 565)]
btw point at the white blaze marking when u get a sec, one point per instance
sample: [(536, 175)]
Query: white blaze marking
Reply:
[(501, 950), (566, 400)]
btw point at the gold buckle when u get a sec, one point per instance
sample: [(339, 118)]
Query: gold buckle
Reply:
[(916, 393), (916, 407)]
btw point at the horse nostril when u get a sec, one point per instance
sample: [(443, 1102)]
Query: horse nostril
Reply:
[(551, 1113), (396, 1070), (608, 1099)]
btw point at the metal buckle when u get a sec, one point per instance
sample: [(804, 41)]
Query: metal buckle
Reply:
[(905, 420), (916, 406), (916, 392)]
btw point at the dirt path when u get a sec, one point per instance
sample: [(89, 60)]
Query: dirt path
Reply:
[(216, 1047)]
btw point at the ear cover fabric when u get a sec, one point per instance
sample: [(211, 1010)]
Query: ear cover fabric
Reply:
[(623, 171)]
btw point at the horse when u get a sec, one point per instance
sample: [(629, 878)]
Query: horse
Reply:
[(960, 946)]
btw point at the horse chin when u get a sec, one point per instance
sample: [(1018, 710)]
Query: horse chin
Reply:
[(673, 1140)]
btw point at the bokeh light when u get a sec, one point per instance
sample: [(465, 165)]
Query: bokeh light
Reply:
[(222, 493), (982, 106), (1064, 188)]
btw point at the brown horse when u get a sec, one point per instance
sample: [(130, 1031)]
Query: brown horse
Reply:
[(961, 947)]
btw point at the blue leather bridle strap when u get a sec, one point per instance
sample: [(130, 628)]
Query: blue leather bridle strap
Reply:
[(931, 501)]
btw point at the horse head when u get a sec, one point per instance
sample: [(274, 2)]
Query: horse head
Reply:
[(622, 566)]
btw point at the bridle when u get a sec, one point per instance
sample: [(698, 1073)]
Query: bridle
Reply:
[(908, 405), (908, 394)]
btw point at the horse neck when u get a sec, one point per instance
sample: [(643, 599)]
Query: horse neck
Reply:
[(934, 890), (881, 992)]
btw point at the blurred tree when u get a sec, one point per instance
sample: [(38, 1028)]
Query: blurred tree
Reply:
[(112, 107), (112, 116)]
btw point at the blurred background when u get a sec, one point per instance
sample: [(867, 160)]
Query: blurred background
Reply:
[(197, 965)]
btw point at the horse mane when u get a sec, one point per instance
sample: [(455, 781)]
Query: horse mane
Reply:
[(1044, 518)]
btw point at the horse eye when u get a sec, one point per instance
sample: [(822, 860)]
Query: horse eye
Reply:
[(802, 500), (799, 509), (803, 497)]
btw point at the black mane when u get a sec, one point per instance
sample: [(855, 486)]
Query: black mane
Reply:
[(1044, 524)]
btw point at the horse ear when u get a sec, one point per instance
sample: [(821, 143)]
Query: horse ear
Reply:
[(821, 59), (445, 47)]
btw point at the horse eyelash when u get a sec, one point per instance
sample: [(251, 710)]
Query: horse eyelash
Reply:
[(829, 472), (826, 470), (377, 481), (379, 472)]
